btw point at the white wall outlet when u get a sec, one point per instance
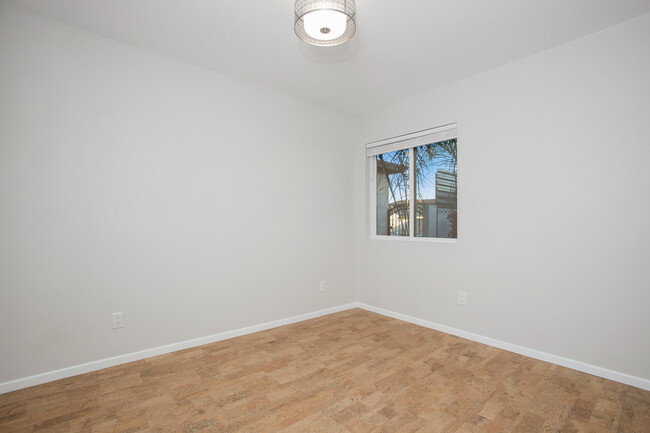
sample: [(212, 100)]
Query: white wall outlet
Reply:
[(462, 298), (117, 320), (322, 286)]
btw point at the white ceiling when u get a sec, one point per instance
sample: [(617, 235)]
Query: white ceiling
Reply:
[(402, 46)]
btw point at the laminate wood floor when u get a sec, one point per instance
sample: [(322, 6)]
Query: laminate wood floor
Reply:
[(353, 371)]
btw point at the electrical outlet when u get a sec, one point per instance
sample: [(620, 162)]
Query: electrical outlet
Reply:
[(322, 286), (117, 320), (462, 298)]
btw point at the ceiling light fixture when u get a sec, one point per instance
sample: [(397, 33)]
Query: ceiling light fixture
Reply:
[(325, 22)]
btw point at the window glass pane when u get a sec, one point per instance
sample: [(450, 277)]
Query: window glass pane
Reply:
[(436, 190), (393, 193)]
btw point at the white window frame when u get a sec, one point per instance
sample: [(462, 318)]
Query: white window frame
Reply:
[(406, 141)]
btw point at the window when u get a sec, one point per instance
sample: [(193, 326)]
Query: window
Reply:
[(427, 161), (393, 205)]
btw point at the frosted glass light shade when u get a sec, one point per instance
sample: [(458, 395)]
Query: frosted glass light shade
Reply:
[(325, 22)]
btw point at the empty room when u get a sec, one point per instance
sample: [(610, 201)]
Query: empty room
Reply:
[(325, 216)]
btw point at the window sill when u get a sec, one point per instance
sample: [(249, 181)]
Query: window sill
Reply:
[(413, 239)]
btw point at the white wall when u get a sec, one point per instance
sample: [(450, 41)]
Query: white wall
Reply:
[(554, 204), (197, 203), (194, 203)]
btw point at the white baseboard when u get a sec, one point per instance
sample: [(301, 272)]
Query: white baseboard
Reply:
[(50, 376), (532, 353), (135, 356)]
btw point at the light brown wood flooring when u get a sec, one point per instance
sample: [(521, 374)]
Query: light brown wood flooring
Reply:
[(353, 371)]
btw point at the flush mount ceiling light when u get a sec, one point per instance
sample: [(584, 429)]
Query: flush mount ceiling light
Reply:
[(325, 22)]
